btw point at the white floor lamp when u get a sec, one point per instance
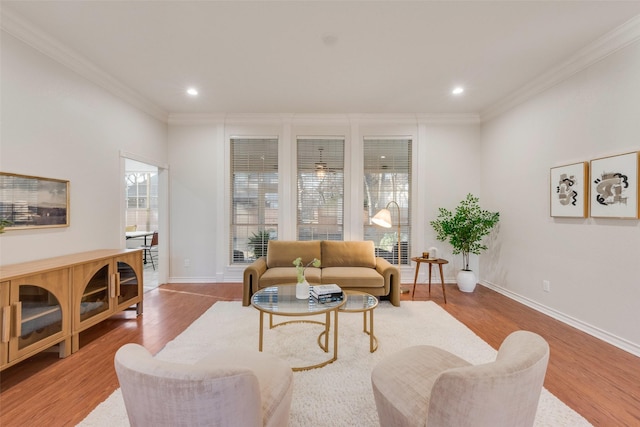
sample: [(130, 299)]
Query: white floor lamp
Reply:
[(383, 219)]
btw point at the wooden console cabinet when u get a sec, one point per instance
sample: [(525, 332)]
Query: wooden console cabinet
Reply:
[(50, 301)]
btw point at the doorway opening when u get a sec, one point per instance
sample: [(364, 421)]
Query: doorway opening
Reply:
[(142, 218)]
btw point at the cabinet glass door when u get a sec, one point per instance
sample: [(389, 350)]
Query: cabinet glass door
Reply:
[(95, 298), (129, 288), (39, 315)]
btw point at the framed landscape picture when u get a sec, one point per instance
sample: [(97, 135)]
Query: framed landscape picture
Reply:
[(569, 190), (614, 186), (31, 201)]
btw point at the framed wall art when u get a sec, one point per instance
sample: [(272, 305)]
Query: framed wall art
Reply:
[(614, 186), (33, 202), (569, 190)]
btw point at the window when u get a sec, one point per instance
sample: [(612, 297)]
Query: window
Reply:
[(320, 188), (387, 179), (254, 193), (142, 200)]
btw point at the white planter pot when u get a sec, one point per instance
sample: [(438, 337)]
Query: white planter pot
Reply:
[(466, 280), (302, 290)]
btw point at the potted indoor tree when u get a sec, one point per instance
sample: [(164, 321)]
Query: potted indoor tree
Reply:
[(465, 230)]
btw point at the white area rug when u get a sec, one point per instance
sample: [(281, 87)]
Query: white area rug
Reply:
[(338, 394)]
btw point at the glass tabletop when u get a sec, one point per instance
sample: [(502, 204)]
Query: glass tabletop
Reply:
[(359, 301), (282, 299)]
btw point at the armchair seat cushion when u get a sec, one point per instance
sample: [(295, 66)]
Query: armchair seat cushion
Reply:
[(401, 396), (275, 379)]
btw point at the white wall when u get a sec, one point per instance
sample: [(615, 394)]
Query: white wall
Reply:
[(56, 124), (593, 265), (446, 167)]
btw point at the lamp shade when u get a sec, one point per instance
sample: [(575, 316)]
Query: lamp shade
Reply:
[(383, 218)]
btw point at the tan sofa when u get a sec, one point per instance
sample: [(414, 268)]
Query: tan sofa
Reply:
[(350, 265)]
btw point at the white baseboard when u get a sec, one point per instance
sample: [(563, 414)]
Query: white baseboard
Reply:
[(605, 336), (192, 280)]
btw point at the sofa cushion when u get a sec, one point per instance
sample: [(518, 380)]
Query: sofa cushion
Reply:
[(348, 254), (281, 253), (287, 275), (352, 277)]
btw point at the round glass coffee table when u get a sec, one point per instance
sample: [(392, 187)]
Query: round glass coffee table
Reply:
[(281, 301)]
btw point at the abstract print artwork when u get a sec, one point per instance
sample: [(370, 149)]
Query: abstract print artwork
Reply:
[(614, 186), (569, 190)]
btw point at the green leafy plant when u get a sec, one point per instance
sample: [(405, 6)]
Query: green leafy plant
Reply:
[(3, 223), (300, 267), (259, 242), (465, 228)]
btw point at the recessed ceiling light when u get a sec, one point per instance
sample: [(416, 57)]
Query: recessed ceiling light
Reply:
[(192, 91), (329, 39), (457, 90)]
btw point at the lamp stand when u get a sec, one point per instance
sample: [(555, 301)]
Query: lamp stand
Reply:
[(402, 290)]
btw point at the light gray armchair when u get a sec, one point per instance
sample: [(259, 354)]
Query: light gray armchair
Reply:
[(224, 389), (425, 385)]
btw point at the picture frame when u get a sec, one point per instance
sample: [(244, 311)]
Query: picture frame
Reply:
[(614, 186), (569, 190), (28, 202)]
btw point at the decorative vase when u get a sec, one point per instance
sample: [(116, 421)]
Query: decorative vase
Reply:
[(466, 280), (302, 290)]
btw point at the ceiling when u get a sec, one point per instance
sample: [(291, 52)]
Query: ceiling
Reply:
[(324, 57)]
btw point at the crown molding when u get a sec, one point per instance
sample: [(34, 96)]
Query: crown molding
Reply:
[(619, 38), (77, 63), (195, 119), (448, 119), (323, 119)]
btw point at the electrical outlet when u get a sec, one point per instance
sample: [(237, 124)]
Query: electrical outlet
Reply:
[(546, 286), (187, 262)]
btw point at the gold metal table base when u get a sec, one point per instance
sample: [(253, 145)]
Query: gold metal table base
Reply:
[(373, 341), (324, 334)]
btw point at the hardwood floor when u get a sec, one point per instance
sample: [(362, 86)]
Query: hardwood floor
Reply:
[(598, 380)]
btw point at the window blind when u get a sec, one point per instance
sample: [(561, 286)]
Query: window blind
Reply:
[(320, 188), (254, 194), (387, 179)]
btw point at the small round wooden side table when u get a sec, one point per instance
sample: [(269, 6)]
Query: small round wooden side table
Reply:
[(440, 262)]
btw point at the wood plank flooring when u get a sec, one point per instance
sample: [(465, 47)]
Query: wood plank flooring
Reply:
[(599, 381)]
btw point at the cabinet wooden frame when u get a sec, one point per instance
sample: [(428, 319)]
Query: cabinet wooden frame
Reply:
[(66, 279), (55, 282), (85, 272)]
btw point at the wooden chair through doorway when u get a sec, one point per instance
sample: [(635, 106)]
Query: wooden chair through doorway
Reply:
[(147, 249)]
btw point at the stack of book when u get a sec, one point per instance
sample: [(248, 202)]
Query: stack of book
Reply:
[(326, 293)]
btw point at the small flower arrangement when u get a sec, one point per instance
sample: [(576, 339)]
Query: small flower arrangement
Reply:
[(300, 267)]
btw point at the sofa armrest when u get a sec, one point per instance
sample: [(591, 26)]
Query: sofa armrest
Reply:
[(391, 275), (251, 278)]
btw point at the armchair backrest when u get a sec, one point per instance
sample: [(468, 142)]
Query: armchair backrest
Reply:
[(501, 393), (159, 393)]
